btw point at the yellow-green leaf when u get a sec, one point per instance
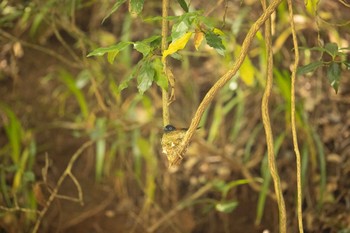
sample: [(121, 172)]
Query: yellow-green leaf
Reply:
[(217, 31), (311, 6), (247, 70), (177, 45)]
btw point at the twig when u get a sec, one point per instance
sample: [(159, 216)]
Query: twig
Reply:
[(224, 79), (54, 193), (293, 124)]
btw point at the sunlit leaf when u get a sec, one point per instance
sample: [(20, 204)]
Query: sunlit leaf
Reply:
[(333, 75), (145, 77), (247, 70), (183, 5), (226, 207), (177, 45), (135, 6), (115, 7), (217, 31), (215, 42), (309, 67)]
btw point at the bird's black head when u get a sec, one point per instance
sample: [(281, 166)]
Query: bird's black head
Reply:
[(169, 128)]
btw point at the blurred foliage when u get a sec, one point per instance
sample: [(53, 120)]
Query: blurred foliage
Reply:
[(94, 97)]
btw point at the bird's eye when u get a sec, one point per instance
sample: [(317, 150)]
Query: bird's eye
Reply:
[(169, 128)]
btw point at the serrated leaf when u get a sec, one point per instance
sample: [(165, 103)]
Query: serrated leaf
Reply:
[(215, 42), (333, 75), (145, 77), (115, 7), (135, 6), (331, 48), (309, 67), (226, 207), (177, 45), (142, 48), (183, 5), (198, 38)]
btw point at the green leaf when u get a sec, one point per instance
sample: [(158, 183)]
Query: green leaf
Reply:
[(331, 49), (111, 50), (151, 40), (226, 207), (71, 84), (180, 29), (309, 67), (14, 132), (142, 48), (135, 6), (115, 7), (100, 130), (183, 5), (333, 74), (125, 83), (160, 77), (215, 41), (145, 78)]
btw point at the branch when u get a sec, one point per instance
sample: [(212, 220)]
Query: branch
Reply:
[(224, 79)]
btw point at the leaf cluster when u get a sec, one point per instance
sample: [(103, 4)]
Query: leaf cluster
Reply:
[(150, 68), (332, 58)]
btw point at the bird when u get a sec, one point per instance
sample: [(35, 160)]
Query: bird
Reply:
[(171, 140)]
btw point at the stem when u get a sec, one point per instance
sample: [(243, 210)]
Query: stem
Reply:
[(268, 130), (165, 29), (293, 124)]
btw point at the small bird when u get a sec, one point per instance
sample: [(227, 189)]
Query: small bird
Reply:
[(171, 140)]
